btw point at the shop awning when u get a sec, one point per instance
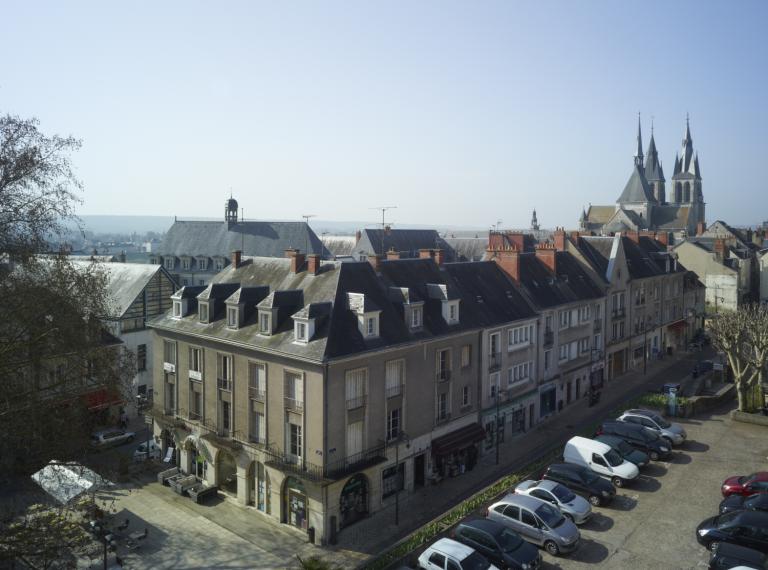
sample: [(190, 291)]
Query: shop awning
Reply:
[(458, 439), (101, 399), (678, 326)]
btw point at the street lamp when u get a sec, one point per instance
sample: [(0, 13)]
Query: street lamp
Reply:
[(401, 435)]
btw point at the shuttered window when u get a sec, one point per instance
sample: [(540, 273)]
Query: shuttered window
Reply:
[(354, 438)]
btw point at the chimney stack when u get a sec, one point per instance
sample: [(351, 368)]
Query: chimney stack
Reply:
[(439, 256), (313, 263), (237, 258), (700, 228), (547, 254), (559, 239), (392, 254), (720, 249), (508, 260), (375, 262), (297, 259)]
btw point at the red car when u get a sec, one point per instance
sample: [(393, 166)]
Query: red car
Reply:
[(746, 484)]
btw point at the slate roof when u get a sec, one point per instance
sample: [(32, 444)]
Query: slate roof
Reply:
[(406, 242), (670, 217), (636, 190), (597, 250), (600, 214), (571, 283), (469, 248), (646, 258), (340, 246), (262, 239)]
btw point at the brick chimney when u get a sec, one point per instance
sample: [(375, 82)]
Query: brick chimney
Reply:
[(559, 239), (297, 259), (662, 237), (236, 258), (720, 249), (701, 227), (575, 237), (508, 260), (439, 256), (426, 253), (547, 254), (392, 254), (313, 263), (375, 262)]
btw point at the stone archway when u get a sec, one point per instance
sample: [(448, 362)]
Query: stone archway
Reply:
[(353, 502), (226, 472)]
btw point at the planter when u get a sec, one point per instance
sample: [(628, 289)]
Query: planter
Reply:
[(748, 418)]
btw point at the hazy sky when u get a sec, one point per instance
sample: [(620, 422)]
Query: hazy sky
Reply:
[(455, 112)]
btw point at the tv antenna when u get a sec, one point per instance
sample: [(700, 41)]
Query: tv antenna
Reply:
[(308, 217), (383, 223)]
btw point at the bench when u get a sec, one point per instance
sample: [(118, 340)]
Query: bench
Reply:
[(163, 476), (183, 484), (200, 492)]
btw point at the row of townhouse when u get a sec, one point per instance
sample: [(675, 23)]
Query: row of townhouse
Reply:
[(315, 391)]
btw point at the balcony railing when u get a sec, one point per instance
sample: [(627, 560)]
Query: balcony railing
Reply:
[(598, 325), (294, 404), (354, 403), (393, 391), (289, 463), (494, 361), (224, 384), (256, 394), (257, 439), (443, 375), (549, 338), (195, 416), (618, 313)]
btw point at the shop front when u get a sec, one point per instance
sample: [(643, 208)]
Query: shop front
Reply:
[(353, 503), (456, 452), (547, 400), (294, 503)]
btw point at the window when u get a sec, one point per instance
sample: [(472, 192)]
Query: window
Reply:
[(395, 377), (169, 352), (258, 428), (294, 440), (548, 323), (141, 357), (466, 353), (392, 481), (232, 320), (202, 263), (452, 312), (442, 407), (354, 438), (356, 387), (371, 326), (519, 373), (598, 341), (584, 313), (527, 518), (547, 359), (226, 416), (437, 559), (564, 352), (169, 262), (195, 363), (257, 381), (512, 512), (224, 371), (465, 396), (494, 380), (494, 342), (597, 311), (520, 336), (185, 263), (264, 323), (393, 424), (195, 402), (203, 312), (294, 391), (300, 331), (584, 345), (565, 317), (219, 264), (415, 317), (177, 309), (443, 365)]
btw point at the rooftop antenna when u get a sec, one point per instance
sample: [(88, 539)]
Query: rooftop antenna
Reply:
[(307, 217), (383, 223)]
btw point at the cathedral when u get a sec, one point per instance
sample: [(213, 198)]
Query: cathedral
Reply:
[(643, 205)]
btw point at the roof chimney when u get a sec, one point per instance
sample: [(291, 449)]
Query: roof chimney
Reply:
[(375, 261), (701, 227), (508, 260), (297, 259), (313, 263), (425, 253), (439, 256), (719, 249), (662, 237), (559, 239), (237, 257), (547, 254), (392, 254)]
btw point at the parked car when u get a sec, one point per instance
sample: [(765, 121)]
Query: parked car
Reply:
[(537, 522), (744, 528), (757, 502), (570, 504), (447, 554), (141, 452), (581, 480), (746, 484), (625, 450), (502, 546), (673, 433), (638, 437), (110, 437), (733, 556), (601, 459)]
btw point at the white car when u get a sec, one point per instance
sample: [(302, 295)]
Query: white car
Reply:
[(110, 437), (141, 452), (448, 554)]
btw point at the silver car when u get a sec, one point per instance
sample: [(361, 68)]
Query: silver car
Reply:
[(110, 437), (673, 433), (570, 504), (537, 522)]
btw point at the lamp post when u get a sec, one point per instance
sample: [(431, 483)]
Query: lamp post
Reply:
[(400, 436)]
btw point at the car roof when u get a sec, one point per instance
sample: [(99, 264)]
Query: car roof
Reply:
[(590, 444), (760, 476), (752, 518), (547, 484), (567, 467), (490, 526), (741, 552), (526, 501), (646, 413), (761, 499), (452, 548), (609, 439)]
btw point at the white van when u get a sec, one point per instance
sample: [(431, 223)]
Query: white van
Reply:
[(600, 458), (141, 452)]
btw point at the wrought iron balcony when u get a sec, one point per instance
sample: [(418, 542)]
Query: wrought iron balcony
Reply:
[(224, 384), (549, 338), (598, 325), (256, 394), (294, 465), (393, 391), (618, 313), (494, 361), (294, 404), (354, 403), (443, 375)]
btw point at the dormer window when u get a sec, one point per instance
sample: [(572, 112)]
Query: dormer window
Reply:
[(219, 263), (169, 262), (186, 263), (264, 323), (451, 312), (177, 309), (233, 319), (370, 326), (203, 312), (202, 263), (300, 329), (416, 317)]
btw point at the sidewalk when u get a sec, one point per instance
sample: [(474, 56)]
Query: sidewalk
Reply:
[(378, 532)]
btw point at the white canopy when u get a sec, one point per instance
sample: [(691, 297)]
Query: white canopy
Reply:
[(66, 481)]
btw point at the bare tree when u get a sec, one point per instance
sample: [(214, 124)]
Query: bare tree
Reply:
[(742, 336)]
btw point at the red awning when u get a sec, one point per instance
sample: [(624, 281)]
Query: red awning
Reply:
[(101, 399), (458, 439), (678, 326)]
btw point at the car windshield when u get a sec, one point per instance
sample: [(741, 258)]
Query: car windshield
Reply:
[(649, 435), (563, 494), (746, 478), (509, 540), (661, 422), (551, 516), (589, 476), (475, 561), (724, 520), (614, 459)]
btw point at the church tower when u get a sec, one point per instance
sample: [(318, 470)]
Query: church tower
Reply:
[(654, 173), (686, 180), (230, 211), (534, 222)]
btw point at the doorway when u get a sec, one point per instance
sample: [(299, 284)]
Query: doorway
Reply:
[(418, 470)]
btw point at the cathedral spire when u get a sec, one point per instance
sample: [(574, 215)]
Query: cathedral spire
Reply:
[(534, 221), (639, 155)]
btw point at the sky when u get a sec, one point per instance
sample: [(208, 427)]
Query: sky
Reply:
[(457, 113)]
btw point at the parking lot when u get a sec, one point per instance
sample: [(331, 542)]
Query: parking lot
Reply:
[(651, 523)]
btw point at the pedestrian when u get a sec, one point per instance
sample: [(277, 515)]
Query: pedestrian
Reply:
[(123, 419)]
